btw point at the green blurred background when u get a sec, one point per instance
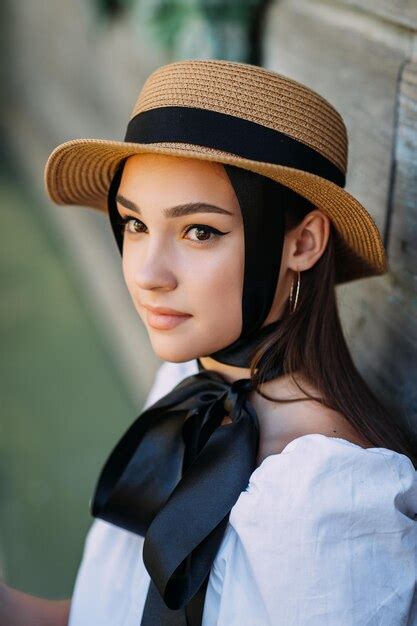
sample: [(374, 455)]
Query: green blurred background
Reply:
[(63, 399)]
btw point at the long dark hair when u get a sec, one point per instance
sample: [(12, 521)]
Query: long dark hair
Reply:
[(311, 341)]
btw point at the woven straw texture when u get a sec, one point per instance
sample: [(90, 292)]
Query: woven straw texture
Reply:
[(78, 172)]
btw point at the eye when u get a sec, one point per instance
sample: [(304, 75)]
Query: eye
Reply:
[(127, 224), (203, 233), (134, 226)]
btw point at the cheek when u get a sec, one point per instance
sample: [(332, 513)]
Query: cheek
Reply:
[(130, 264), (215, 285), (128, 271)]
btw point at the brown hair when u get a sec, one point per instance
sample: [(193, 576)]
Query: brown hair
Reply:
[(311, 342)]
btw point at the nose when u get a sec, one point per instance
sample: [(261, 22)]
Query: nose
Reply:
[(154, 266)]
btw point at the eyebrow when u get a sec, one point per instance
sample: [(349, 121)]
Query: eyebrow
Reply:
[(178, 210)]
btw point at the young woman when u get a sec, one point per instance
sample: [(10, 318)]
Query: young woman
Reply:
[(263, 483)]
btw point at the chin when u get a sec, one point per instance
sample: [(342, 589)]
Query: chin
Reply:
[(178, 347), (173, 353)]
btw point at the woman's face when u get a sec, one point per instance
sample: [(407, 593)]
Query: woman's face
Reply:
[(180, 253)]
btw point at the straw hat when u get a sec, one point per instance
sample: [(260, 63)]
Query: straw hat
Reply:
[(239, 114)]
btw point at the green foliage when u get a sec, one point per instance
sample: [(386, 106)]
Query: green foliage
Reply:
[(110, 9), (229, 10), (167, 19)]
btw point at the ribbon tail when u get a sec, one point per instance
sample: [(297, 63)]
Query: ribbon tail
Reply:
[(156, 612), (183, 539)]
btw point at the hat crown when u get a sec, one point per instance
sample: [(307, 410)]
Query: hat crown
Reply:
[(252, 93)]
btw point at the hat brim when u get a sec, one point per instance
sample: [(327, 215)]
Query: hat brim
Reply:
[(79, 172)]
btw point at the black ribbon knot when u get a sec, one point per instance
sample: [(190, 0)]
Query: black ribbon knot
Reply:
[(173, 478)]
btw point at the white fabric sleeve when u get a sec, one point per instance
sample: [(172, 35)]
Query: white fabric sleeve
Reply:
[(167, 376), (325, 534)]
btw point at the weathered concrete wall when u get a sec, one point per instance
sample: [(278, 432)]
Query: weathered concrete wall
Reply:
[(402, 12), (362, 58)]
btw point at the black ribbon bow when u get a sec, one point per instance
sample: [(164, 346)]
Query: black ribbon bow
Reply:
[(173, 478)]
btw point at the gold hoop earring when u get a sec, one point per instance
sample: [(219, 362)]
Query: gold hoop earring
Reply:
[(292, 308)]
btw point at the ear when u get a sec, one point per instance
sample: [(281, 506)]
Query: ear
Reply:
[(308, 240)]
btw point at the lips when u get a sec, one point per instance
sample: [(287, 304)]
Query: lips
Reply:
[(162, 318), (158, 310)]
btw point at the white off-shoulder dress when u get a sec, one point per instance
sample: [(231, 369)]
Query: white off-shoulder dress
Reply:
[(325, 534)]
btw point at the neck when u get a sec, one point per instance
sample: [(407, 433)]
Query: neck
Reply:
[(282, 386), (232, 362), (229, 372)]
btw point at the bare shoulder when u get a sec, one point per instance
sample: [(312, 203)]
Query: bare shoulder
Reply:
[(282, 422)]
